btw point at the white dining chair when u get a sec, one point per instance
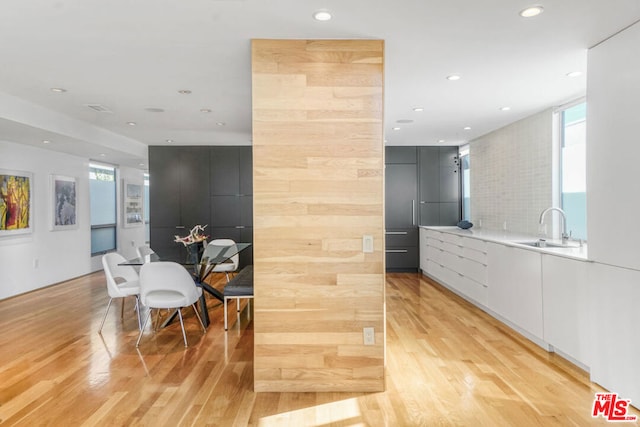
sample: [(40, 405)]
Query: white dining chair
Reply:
[(168, 285), (212, 250), (122, 282), (144, 251)]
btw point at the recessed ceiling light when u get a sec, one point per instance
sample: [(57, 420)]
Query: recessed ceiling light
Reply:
[(169, 141), (154, 110), (322, 15), (131, 123), (184, 91), (532, 11), (467, 128), (453, 77), (46, 141), (395, 128), (103, 155), (140, 164), (418, 109), (441, 141), (574, 74), (221, 123), (58, 90), (205, 110), (505, 108)]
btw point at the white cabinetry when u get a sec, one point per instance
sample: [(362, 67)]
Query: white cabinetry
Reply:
[(565, 299), (458, 262), (615, 293), (515, 290)]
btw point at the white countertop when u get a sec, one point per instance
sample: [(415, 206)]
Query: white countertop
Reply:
[(512, 239)]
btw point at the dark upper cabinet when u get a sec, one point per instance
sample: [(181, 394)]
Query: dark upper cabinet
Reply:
[(394, 155), (179, 186), (225, 171), (429, 174), (439, 185), (246, 170), (194, 186), (164, 189), (449, 175), (231, 171)]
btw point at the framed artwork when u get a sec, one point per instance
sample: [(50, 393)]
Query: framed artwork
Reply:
[(64, 207), (132, 205), (16, 202)]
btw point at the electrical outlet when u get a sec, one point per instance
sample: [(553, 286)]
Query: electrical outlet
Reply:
[(369, 336), (367, 244)]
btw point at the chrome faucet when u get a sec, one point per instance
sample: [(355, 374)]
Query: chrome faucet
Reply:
[(565, 235)]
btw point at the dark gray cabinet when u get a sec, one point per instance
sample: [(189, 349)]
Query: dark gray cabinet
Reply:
[(422, 187), (401, 196), (439, 183), (178, 195), (200, 185), (231, 197)]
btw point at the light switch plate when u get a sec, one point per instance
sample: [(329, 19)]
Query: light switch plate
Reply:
[(369, 336), (367, 244)]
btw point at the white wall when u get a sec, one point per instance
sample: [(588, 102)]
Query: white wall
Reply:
[(59, 255), (613, 150), (511, 174)]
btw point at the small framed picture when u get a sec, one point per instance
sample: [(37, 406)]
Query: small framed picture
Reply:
[(64, 191), (16, 202), (132, 204)]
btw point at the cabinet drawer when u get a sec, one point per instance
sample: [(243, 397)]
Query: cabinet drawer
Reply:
[(434, 243), (475, 255), (475, 271), (471, 289), (453, 248), (477, 244), (434, 254), (435, 270), (401, 237), (433, 234), (451, 238), (402, 259)]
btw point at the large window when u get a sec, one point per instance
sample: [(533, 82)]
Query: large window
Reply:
[(466, 182), (147, 234), (573, 170), (102, 186)]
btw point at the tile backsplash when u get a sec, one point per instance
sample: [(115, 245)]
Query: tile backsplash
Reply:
[(511, 175)]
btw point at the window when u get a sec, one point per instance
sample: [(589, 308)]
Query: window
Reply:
[(466, 182), (102, 189), (146, 208), (573, 178)]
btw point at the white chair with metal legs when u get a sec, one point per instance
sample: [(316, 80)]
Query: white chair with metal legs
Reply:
[(144, 251), (122, 282), (168, 285), (216, 247)]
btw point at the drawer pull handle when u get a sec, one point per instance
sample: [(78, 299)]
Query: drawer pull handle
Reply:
[(396, 251), (396, 232)]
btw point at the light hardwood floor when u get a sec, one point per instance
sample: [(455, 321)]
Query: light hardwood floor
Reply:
[(448, 363)]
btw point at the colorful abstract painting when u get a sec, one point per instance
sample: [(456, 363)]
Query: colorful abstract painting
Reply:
[(15, 202)]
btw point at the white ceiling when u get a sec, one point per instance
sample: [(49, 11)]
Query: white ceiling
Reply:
[(132, 55)]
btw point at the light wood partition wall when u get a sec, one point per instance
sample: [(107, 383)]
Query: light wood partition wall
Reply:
[(318, 188)]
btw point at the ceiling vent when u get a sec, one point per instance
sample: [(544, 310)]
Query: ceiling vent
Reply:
[(99, 108)]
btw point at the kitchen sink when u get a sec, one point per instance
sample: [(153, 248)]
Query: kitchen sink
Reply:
[(546, 244)]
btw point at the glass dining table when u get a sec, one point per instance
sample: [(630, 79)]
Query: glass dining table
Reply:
[(201, 268)]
